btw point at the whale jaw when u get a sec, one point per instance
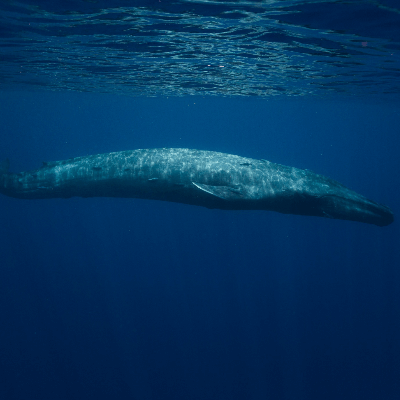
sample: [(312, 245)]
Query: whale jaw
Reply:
[(355, 208)]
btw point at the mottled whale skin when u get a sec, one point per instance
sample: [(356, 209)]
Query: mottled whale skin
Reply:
[(203, 178)]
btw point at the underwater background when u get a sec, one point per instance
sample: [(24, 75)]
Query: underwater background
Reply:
[(136, 299)]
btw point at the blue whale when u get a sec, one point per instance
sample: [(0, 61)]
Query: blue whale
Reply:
[(203, 178)]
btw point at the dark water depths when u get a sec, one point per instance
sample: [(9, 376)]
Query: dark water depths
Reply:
[(248, 48), (132, 299)]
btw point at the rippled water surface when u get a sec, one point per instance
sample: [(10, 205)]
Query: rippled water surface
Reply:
[(249, 48)]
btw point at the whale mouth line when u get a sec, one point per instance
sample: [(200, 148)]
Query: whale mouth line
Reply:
[(357, 208)]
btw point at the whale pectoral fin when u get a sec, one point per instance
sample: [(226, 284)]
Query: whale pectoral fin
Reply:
[(222, 192)]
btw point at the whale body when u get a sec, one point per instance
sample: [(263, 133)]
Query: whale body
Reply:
[(196, 177)]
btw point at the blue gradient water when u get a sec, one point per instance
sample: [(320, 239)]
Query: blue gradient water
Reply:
[(135, 299)]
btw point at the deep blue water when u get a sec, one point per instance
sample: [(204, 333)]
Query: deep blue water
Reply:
[(136, 299)]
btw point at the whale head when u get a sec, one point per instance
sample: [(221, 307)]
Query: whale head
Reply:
[(325, 197)]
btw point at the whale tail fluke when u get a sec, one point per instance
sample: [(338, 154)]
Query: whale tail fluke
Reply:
[(4, 167)]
